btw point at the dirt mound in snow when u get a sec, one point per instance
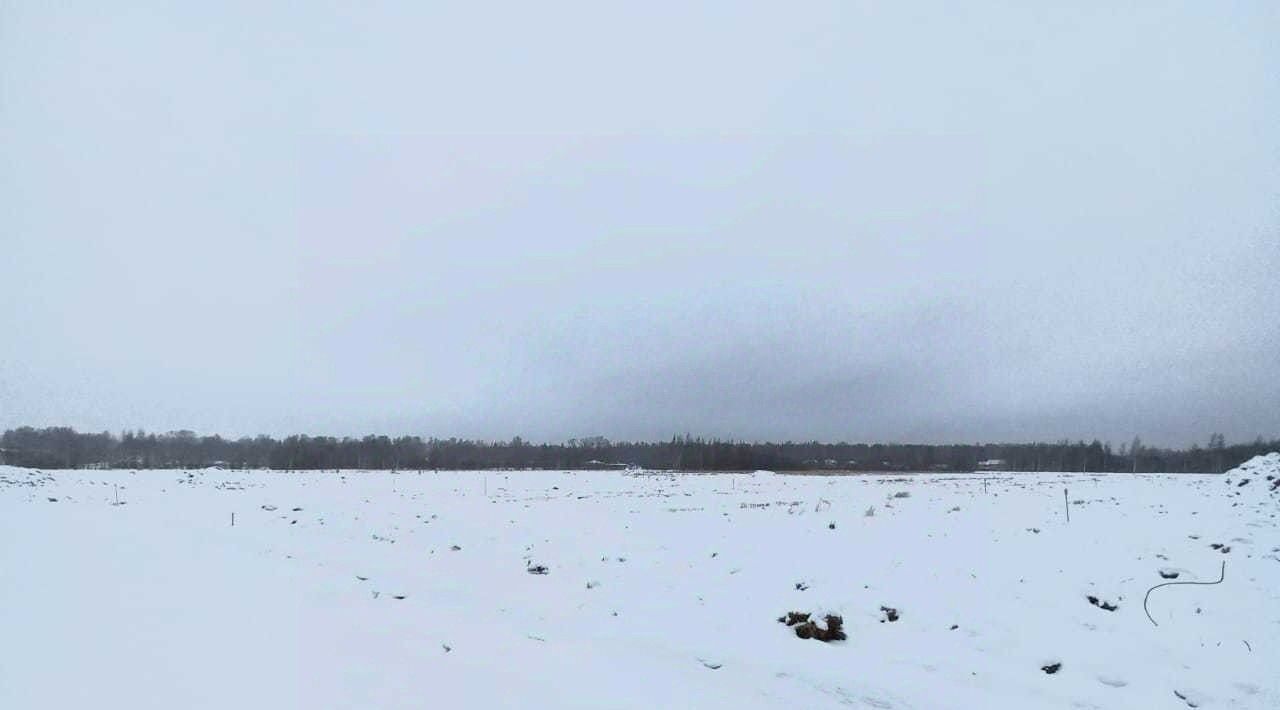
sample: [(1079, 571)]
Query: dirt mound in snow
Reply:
[(806, 628), (1258, 465), (1262, 471)]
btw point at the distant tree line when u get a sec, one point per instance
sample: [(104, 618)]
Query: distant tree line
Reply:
[(63, 447)]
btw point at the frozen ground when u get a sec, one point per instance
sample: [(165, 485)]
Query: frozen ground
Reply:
[(379, 590)]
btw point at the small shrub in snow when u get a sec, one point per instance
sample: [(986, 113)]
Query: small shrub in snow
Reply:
[(806, 628), (890, 614), (792, 618), (538, 569)]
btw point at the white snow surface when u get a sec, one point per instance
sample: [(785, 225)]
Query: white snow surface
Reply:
[(661, 590)]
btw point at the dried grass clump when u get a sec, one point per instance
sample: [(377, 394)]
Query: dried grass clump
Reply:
[(806, 628)]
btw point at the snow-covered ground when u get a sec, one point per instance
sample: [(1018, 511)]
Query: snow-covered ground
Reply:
[(408, 590)]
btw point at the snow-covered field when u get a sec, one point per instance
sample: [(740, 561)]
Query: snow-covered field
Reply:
[(408, 590)]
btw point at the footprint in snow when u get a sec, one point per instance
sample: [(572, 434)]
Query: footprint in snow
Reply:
[(1102, 603), (1246, 688), (1112, 681)]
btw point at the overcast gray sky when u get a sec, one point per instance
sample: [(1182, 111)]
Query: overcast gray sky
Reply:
[(861, 221)]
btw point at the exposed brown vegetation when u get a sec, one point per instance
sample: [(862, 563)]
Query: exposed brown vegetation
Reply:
[(806, 628)]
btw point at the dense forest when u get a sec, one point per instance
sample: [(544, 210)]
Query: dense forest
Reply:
[(63, 447)]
